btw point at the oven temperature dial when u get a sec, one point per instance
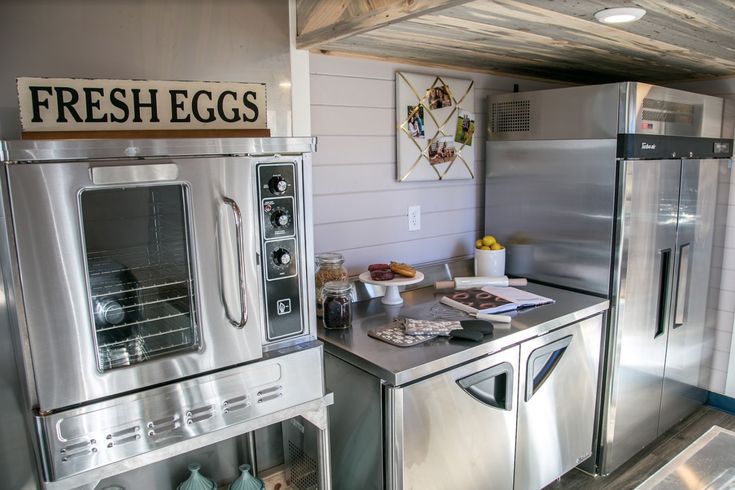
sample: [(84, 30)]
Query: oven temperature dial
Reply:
[(277, 185), (280, 218), (281, 257)]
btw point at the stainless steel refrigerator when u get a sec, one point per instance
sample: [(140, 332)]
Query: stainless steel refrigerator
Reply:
[(612, 190)]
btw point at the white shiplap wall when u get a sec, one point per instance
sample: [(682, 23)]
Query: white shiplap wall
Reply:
[(721, 301), (360, 210)]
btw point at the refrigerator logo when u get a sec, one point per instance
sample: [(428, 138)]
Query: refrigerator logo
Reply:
[(647, 146), (71, 104)]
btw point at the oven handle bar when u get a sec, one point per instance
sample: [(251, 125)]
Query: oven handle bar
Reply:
[(240, 265)]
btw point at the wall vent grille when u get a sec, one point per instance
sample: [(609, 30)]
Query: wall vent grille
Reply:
[(510, 117)]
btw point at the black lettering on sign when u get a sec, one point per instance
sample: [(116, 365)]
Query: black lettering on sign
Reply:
[(195, 107), (137, 105), (250, 105), (120, 104), (38, 103), (63, 105), (221, 107), (91, 104), (176, 106)]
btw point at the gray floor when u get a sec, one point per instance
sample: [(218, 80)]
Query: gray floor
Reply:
[(648, 461)]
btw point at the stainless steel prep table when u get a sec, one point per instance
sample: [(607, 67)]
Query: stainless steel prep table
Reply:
[(373, 381)]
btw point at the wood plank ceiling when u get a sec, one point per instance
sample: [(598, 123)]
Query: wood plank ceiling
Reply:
[(546, 39)]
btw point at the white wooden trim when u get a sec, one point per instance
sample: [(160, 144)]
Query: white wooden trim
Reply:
[(300, 81)]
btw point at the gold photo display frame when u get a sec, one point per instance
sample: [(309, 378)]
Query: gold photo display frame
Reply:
[(435, 126)]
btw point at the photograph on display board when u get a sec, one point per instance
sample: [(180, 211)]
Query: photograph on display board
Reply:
[(415, 117), (465, 127), (441, 150), (439, 97)]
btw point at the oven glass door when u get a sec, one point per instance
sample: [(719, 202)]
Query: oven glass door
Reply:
[(139, 272), (135, 274)]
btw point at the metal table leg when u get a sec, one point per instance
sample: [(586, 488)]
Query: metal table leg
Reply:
[(320, 419)]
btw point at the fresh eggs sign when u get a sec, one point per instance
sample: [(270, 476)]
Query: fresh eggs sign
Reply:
[(70, 104)]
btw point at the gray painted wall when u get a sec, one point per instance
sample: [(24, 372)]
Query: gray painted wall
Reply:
[(360, 209), (222, 40)]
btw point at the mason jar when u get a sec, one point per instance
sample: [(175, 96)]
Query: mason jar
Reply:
[(337, 304), (329, 267)]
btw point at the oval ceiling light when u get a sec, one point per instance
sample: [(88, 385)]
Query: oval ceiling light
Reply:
[(619, 15)]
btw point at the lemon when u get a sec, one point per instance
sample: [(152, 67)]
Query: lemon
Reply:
[(478, 243), (496, 246), (488, 240), (484, 247)]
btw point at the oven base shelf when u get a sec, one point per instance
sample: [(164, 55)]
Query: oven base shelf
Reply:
[(90, 443)]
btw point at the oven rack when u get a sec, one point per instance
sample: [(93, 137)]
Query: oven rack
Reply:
[(147, 300), (155, 277), (149, 254), (142, 322), (171, 215), (177, 328)]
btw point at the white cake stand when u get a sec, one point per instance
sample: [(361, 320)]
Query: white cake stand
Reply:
[(392, 296)]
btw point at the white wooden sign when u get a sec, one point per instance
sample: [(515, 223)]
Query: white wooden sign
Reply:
[(435, 127), (72, 104)]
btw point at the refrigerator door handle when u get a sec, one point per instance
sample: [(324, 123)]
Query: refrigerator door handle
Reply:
[(492, 386), (663, 288), (682, 287), (542, 362)]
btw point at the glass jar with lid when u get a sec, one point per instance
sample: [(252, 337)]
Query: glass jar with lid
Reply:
[(337, 305), (329, 267)]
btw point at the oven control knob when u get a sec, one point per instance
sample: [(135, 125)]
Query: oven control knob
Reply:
[(281, 257), (281, 218), (277, 185)]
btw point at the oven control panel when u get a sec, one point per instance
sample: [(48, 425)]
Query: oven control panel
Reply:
[(278, 198)]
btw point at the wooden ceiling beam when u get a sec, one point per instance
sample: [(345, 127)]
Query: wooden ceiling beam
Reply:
[(324, 21)]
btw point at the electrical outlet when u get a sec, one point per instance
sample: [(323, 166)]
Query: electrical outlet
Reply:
[(414, 218)]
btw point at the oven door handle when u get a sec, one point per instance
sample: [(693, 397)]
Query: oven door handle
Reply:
[(240, 266)]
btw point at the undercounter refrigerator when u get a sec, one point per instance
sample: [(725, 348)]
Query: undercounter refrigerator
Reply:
[(613, 190)]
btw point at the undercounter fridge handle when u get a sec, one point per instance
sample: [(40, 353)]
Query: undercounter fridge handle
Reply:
[(682, 287), (240, 265), (663, 291), (492, 386)]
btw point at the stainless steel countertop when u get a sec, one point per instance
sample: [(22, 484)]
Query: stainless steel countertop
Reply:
[(401, 365)]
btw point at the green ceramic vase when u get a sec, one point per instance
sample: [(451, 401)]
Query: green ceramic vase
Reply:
[(196, 480), (246, 480)]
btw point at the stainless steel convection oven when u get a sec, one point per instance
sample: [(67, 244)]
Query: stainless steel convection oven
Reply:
[(162, 295)]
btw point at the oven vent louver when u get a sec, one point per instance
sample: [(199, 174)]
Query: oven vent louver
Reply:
[(235, 403), (510, 117), (123, 436), (666, 111), (84, 448), (164, 426), (199, 414)]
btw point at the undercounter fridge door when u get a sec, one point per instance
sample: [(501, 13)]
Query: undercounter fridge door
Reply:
[(456, 429), (687, 350), (648, 197), (556, 402)]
